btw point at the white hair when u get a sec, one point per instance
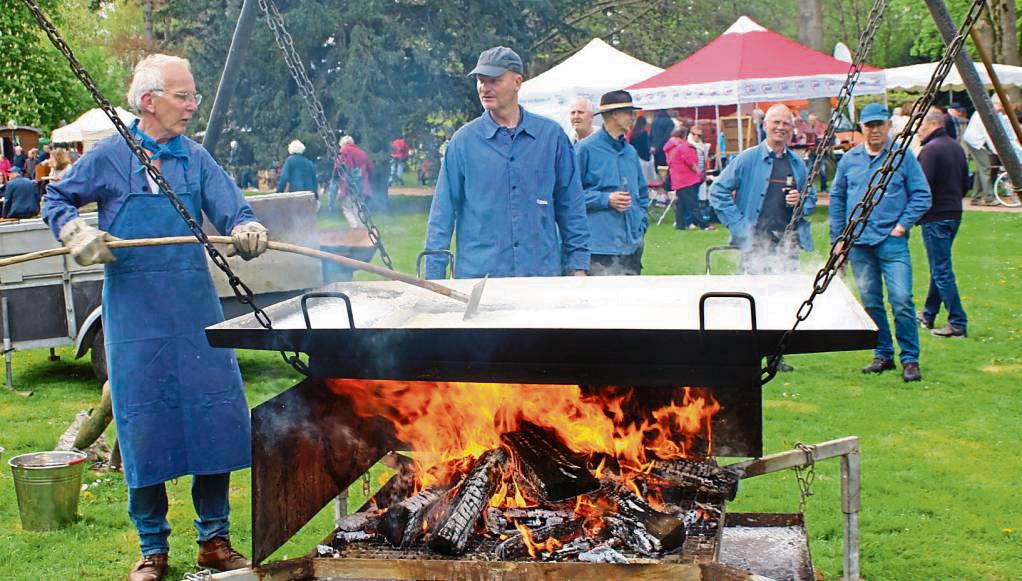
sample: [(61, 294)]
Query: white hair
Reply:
[(347, 139), (779, 109), (148, 77), (583, 99), (296, 147)]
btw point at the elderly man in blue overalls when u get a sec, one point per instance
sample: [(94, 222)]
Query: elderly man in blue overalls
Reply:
[(178, 403)]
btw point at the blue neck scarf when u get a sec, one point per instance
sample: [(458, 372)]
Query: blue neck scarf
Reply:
[(172, 149)]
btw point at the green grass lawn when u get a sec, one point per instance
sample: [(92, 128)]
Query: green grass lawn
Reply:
[(940, 458)]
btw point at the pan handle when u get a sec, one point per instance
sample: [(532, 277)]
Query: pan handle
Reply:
[(712, 249), (725, 295), (324, 295), (425, 253)]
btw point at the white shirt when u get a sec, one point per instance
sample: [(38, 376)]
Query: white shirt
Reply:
[(976, 135)]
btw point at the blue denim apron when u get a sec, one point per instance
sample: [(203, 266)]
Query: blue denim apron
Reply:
[(179, 403)]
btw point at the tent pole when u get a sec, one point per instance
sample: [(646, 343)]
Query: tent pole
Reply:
[(720, 142), (738, 113)]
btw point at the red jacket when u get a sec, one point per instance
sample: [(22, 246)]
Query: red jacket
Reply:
[(399, 150), (352, 157), (681, 158)]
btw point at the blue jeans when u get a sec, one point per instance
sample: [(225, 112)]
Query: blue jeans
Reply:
[(938, 237), (888, 263), (397, 171), (147, 508)]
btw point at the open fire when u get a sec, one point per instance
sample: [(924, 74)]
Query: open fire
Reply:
[(542, 472)]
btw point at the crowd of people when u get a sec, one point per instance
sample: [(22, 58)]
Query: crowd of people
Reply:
[(508, 192), (24, 177)]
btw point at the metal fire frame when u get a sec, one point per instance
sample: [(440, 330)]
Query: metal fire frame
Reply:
[(846, 449)]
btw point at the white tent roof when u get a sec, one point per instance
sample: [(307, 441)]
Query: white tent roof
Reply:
[(91, 126), (917, 77), (592, 71)]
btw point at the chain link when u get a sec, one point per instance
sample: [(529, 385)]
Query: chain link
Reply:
[(875, 189), (805, 475), (201, 575), (295, 66), (825, 145), (241, 290)]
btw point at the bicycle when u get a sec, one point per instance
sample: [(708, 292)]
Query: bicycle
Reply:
[(1006, 193)]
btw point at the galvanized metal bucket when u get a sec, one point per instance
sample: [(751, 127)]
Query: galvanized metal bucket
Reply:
[(48, 486)]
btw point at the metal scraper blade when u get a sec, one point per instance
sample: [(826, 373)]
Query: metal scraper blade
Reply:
[(473, 299)]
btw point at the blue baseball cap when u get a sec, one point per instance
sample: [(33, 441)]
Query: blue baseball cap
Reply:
[(496, 61), (874, 112)]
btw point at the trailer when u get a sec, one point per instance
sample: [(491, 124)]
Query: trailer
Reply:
[(54, 302)]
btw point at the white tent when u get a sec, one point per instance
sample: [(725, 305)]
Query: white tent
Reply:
[(595, 69), (89, 128), (917, 77)]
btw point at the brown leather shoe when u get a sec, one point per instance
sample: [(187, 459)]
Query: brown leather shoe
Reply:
[(218, 554), (150, 568)]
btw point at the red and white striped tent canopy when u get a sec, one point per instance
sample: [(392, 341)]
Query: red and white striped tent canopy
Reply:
[(750, 64)]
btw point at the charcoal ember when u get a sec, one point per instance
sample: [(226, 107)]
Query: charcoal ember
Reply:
[(494, 522), (365, 520), (326, 551), (572, 549), (603, 554), (550, 469), (451, 533), (514, 548), (667, 530), (632, 534), (702, 477), (402, 523), (354, 536)]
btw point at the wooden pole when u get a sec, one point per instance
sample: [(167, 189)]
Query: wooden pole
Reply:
[(278, 246), (984, 56)]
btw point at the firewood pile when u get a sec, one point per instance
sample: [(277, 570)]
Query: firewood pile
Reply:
[(533, 498)]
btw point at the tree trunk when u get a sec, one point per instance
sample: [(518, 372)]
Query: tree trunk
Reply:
[(810, 33), (147, 15), (1009, 53)]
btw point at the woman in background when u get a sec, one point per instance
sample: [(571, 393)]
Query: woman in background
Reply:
[(639, 139)]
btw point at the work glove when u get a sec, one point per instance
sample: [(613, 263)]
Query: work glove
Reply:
[(249, 240), (87, 243)]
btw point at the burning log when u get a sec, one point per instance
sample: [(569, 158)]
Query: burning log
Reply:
[(702, 477), (528, 542), (548, 466), (452, 531), (499, 521), (402, 523), (641, 526), (365, 520), (400, 486)]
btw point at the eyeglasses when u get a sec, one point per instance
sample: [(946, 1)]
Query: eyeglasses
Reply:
[(184, 96)]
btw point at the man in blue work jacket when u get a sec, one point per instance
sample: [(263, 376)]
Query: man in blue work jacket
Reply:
[(880, 254), (509, 187), (615, 190), (755, 196), (179, 404)]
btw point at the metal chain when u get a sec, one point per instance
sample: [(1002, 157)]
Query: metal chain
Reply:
[(875, 189), (805, 475), (241, 290), (295, 66), (367, 487), (826, 143), (201, 575)]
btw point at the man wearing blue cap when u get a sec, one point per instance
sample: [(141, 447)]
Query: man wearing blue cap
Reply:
[(21, 197), (880, 255), (508, 187)]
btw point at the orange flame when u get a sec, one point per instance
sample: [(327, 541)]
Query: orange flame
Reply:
[(550, 545), (449, 425)]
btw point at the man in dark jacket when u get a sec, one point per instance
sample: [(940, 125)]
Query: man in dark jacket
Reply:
[(947, 171), (660, 134), (21, 197)]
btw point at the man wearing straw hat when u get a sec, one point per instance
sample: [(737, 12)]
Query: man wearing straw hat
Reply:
[(615, 190), (179, 404)]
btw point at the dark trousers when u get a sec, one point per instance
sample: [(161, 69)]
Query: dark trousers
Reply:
[(938, 236), (616, 265), (686, 209)]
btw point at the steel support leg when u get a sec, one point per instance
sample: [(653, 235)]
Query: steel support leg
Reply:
[(850, 504), (7, 345)]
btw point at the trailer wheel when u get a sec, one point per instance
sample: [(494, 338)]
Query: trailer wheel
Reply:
[(98, 353)]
